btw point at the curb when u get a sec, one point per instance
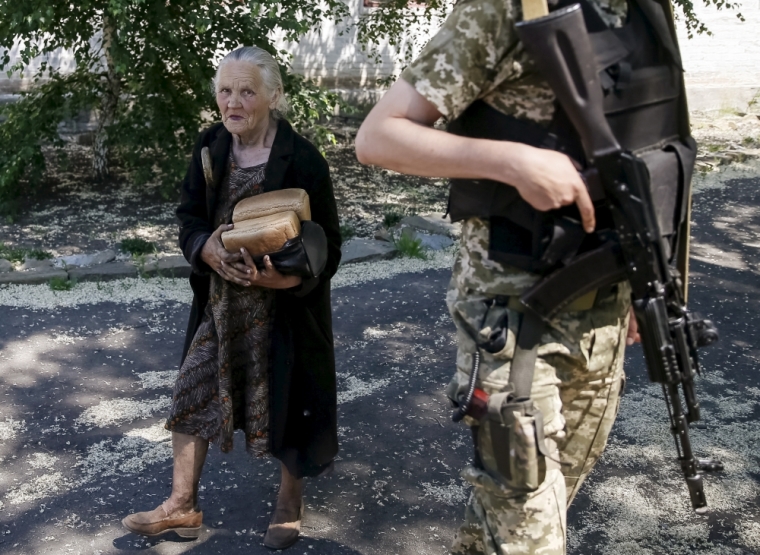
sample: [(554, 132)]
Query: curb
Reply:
[(435, 233), (170, 267)]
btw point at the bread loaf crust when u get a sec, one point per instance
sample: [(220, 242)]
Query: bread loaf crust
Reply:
[(265, 204), (263, 235)]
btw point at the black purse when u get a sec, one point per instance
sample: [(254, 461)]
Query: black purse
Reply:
[(304, 256)]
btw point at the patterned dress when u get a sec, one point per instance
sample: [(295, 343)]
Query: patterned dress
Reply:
[(223, 384)]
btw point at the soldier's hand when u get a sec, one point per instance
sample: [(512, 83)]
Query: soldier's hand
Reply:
[(548, 180), (633, 330)]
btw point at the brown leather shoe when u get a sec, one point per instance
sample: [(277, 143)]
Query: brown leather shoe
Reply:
[(282, 536), (159, 521)]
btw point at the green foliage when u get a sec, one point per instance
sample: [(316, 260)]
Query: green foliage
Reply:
[(391, 217), (146, 66), (138, 247), (684, 10), (19, 254), (38, 254), (11, 253), (391, 22), (409, 246), (347, 231), (61, 284), (394, 213)]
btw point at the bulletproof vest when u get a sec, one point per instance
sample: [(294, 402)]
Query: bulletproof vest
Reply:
[(640, 69)]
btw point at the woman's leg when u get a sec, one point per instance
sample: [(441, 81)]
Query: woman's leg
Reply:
[(178, 513), (286, 521), (289, 499), (189, 456)]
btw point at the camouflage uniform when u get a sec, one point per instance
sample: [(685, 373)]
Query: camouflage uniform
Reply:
[(579, 373)]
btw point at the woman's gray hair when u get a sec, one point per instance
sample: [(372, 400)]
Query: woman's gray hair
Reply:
[(270, 73)]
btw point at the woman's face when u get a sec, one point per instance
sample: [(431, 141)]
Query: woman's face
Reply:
[(242, 99)]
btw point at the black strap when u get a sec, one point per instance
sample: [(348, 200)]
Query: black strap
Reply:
[(657, 18), (526, 353)]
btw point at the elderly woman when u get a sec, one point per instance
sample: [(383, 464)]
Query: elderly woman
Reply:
[(258, 353)]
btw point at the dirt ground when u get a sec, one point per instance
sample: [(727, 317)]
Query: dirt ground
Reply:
[(71, 214)]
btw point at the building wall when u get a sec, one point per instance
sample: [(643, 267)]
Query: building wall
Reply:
[(723, 70)]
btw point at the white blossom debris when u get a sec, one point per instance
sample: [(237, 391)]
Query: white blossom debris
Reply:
[(132, 454), (158, 380), (120, 411), (355, 388), (452, 494), (10, 428), (42, 460), (37, 488)]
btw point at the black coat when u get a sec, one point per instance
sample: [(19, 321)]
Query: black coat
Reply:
[(302, 394)]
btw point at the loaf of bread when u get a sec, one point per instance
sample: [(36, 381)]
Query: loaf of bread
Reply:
[(283, 200), (263, 235)]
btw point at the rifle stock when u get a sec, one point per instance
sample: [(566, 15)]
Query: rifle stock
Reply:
[(559, 41)]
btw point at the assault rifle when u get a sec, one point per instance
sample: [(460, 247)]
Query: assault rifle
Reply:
[(670, 334)]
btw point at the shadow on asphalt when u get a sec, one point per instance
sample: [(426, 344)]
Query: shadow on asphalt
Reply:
[(395, 489)]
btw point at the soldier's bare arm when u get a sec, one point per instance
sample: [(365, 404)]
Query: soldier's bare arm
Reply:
[(398, 134)]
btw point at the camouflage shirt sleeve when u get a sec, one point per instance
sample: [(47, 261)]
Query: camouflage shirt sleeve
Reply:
[(461, 61)]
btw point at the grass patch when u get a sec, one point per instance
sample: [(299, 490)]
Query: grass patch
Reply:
[(347, 231), (38, 254), (19, 254), (391, 217), (410, 246), (138, 247), (393, 214), (12, 254), (61, 284)]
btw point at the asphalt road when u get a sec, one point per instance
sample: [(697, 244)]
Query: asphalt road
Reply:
[(83, 389)]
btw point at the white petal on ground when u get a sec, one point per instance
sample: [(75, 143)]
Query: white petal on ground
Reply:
[(119, 411), (155, 433), (10, 428), (42, 460), (38, 488), (749, 532), (455, 493), (157, 380), (130, 455), (149, 292), (362, 272), (354, 388)]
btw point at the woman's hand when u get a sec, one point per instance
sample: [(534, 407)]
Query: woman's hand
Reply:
[(222, 261), (633, 329), (268, 277)]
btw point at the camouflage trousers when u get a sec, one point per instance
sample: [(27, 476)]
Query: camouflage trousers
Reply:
[(577, 383)]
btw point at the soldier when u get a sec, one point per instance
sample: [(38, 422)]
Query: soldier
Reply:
[(512, 159)]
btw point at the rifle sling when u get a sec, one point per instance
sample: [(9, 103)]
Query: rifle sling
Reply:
[(526, 352)]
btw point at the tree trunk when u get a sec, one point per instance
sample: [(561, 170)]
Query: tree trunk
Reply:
[(108, 103)]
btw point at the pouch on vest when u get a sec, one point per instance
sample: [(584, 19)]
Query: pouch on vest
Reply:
[(515, 436)]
